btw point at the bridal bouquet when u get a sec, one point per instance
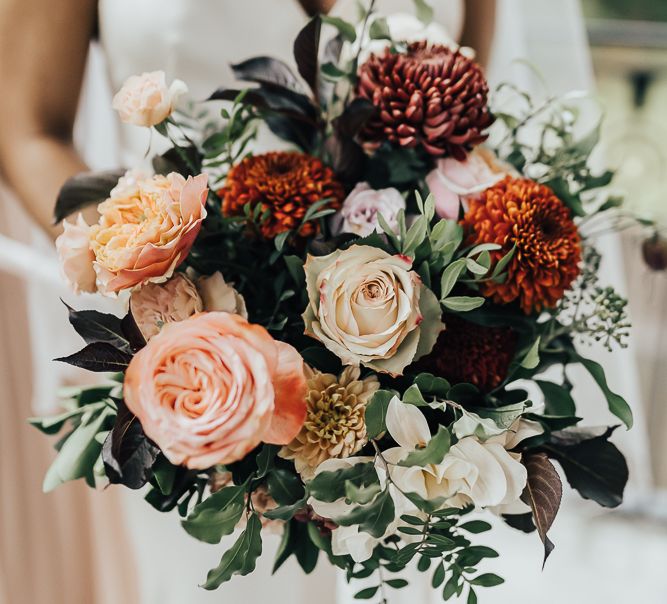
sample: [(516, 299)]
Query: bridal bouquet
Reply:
[(360, 338)]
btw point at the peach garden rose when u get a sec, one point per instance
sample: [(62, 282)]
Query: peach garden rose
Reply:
[(211, 388), (146, 100), (369, 307), (146, 229)]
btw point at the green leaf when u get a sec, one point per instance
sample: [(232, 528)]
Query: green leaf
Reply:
[(295, 267), (333, 73), (241, 558), (426, 505), (503, 417), (373, 518), (429, 384), (280, 240), (487, 580), (503, 262), (361, 495), (617, 404), (379, 30), (438, 576), (366, 593), (345, 28), (532, 358), (286, 512), (329, 486), (285, 486), (472, 597), (432, 453), (462, 303), (388, 231), (475, 526), (592, 466), (217, 515), (396, 583), (450, 276), (79, 451), (424, 11), (413, 396), (415, 235), (265, 459), (376, 413), (558, 399)]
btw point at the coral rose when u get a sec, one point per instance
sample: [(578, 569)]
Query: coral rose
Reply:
[(209, 389), (145, 100), (453, 182), (369, 307), (146, 229), (76, 257)]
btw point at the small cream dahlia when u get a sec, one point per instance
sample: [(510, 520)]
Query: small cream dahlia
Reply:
[(334, 425)]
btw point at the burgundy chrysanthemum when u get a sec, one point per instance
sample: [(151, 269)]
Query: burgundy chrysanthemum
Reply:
[(430, 96), (471, 353)]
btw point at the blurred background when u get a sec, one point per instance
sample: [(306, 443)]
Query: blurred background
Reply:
[(614, 49)]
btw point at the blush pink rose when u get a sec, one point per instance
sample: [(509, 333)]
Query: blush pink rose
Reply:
[(453, 182), (209, 389), (145, 100), (146, 229), (359, 214), (76, 257)]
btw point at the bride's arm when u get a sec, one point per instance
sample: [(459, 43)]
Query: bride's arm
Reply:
[(43, 48), (479, 26)]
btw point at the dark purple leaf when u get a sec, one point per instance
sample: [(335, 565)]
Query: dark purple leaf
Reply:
[(353, 118), (306, 47), (521, 522), (99, 356), (267, 70), (94, 326), (83, 190), (132, 332), (128, 454)]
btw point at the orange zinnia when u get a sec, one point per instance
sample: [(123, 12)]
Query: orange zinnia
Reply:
[(285, 185), (520, 212)]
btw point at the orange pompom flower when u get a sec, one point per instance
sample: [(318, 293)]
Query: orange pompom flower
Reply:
[(285, 185), (520, 212), (471, 353)]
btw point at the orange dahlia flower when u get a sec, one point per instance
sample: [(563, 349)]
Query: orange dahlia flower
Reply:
[(471, 353), (284, 184), (520, 212)]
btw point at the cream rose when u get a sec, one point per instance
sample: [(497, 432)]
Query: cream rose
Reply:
[(453, 182), (156, 304), (146, 229), (473, 471), (368, 307), (145, 100), (218, 295), (359, 214), (76, 257), (209, 389)]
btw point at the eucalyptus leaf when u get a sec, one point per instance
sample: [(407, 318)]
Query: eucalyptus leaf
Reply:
[(462, 303), (450, 276), (241, 558), (433, 453)]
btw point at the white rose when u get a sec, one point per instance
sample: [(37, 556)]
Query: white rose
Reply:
[(359, 214), (481, 473), (368, 307), (403, 27), (145, 100), (217, 295)]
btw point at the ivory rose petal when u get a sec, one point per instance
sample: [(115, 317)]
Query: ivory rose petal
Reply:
[(207, 389), (146, 229), (145, 100), (76, 257), (368, 307)]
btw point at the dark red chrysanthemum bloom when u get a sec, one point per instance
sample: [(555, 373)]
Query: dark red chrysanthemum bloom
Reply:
[(520, 212), (471, 353), (284, 184), (430, 96)]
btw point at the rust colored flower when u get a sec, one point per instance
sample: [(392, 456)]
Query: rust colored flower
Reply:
[(520, 212), (430, 96), (471, 353), (284, 185)]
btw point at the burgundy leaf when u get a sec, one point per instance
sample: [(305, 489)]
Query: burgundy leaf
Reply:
[(99, 356), (543, 493), (306, 48)]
